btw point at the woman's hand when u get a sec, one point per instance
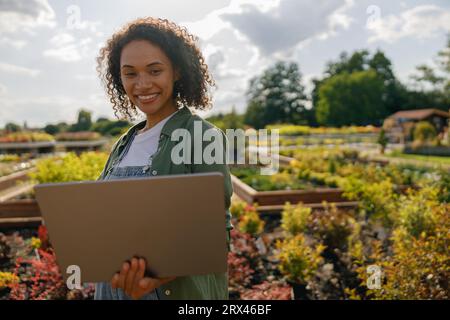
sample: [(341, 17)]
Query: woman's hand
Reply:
[(132, 280)]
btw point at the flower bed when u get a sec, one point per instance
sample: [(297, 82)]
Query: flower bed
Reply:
[(294, 130), (78, 136), (19, 137), (325, 254)]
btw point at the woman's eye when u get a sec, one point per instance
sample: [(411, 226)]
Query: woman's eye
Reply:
[(155, 72), (130, 74)]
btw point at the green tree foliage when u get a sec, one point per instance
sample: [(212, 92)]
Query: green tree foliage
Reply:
[(84, 122), (230, 120), (276, 96), (12, 127), (107, 127), (351, 99), (393, 93), (433, 83)]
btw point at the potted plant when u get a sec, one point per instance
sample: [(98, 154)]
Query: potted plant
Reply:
[(298, 262)]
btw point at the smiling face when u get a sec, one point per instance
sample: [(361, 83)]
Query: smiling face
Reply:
[(148, 76)]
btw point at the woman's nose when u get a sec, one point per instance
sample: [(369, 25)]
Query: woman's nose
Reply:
[(143, 81)]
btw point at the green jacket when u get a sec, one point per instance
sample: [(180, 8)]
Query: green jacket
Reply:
[(210, 286)]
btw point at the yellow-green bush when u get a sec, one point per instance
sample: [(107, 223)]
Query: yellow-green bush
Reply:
[(70, 167), (237, 208), (7, 279), (294, 219), (424, 131), (251, 223), (298, 261), (418, 267)]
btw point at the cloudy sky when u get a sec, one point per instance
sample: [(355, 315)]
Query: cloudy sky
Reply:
[(48, 47)]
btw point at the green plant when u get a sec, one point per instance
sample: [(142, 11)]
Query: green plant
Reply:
[(382, 140), (237, 208), (294, 219), (69, 167), (250, 222), (424, 131), (8, 279), (333, 226), (417, 267), (298, 261), (415, 211), (376, 201)]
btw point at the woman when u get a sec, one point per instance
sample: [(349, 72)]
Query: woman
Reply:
[(155, 66)]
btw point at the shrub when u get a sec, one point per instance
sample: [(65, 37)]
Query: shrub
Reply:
[(333, 227), (8, 279), (39, 279), (298, 261), (418, 267), (70, 167), (424, 131), (78, 136), (376, 201), (26, 137), (415, 211), (251, 223), (237, 208), (294, 219), (268, 291)]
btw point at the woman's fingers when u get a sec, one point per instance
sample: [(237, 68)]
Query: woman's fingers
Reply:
[(141, 270), (132, 280), (122, 275), (129, 279), (115, 281)]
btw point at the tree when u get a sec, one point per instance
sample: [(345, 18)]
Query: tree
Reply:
[(51, 129), (254, 116), (351, 99), (382, 141), (84, 122), (276, 96), (12, 127), (105, 126), (358, 61), (433, 82), (393, 94)]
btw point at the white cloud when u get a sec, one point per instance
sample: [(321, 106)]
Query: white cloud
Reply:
[(66, 48), (14, 69), (25, 15), (424, 21), (3, 90), (17, 44), (290, 23), (213, 22)]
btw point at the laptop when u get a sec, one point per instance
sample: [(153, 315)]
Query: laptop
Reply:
[(176, 222)]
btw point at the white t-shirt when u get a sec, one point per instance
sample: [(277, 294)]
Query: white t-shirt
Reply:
[(144, 145)]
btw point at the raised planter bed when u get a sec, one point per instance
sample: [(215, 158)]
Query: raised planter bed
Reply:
[(280, 197), (20, 213), (27, 147), (11, 180)]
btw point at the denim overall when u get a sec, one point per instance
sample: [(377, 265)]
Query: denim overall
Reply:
[(103, 290)]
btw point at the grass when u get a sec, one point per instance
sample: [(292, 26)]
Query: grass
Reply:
[(436, 159)]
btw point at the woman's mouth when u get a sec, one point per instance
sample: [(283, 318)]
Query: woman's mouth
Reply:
[(148, 98)]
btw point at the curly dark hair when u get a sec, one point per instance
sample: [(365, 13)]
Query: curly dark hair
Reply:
[(192, 89)]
